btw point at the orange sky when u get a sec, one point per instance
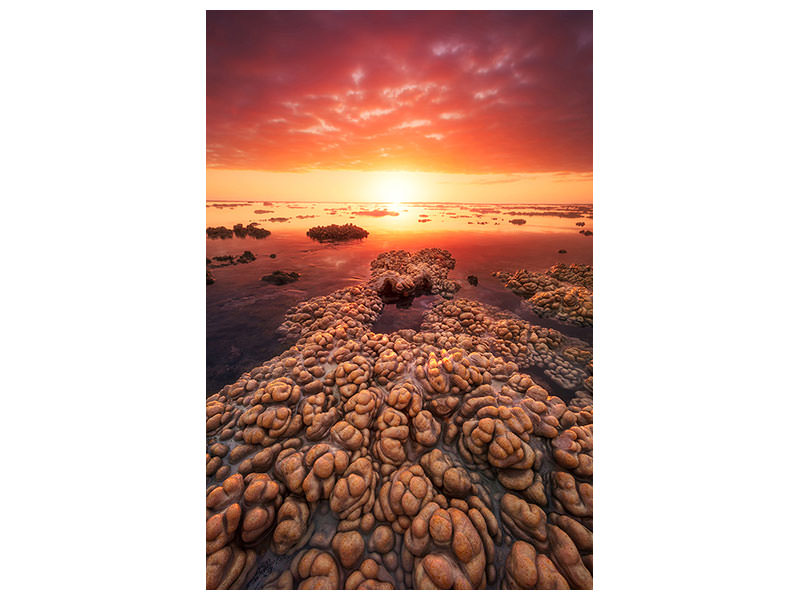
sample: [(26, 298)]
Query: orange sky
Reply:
[(399, 106)]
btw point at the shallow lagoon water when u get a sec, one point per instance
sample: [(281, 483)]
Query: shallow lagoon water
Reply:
[(243, 312)]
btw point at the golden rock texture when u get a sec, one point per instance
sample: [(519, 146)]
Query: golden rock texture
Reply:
[(562, 292), (430, 459)]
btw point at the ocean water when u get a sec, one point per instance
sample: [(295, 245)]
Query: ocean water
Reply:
[(243, 312)]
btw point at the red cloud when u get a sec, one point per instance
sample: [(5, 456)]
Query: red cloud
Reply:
[(465, 92)]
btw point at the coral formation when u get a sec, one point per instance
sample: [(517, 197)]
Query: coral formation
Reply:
[(404, 460), (398, 274), (336, 233), (562, 292)]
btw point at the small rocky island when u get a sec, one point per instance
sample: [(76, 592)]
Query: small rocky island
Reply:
[(336, 233)]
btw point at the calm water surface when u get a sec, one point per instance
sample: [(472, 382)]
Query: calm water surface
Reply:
[(243, 313)]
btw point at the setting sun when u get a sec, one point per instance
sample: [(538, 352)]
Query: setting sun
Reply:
[(396, 188)]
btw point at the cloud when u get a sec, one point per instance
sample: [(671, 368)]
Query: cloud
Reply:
[(413, 124), (464, 92)]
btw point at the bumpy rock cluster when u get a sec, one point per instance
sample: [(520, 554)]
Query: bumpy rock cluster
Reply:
[(348, 308), (336, 233), (410, 460), (582, 275), (397, 274), (562, 292), (475, 326)]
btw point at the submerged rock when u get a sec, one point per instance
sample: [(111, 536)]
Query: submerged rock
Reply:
[(472, 280), (281, 277), (228, 259), (518, 221), (562, 251)]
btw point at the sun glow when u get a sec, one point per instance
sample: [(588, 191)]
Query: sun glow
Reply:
[(395, 189)]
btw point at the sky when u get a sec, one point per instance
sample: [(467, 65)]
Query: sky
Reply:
[(399, 106)]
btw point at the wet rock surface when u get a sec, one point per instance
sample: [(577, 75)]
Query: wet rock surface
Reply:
[(423, 459), (398, 275), (562, 292)]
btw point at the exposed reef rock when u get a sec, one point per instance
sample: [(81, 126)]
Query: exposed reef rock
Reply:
[(239, 230), (281, 277), (518, 221), (351, 307), (409, 460), (575, 274), (562, 292), (475, 326), (252, 230), (219, 232), (336, 233), (397, 274)]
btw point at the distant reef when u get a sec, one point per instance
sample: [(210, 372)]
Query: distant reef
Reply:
[(336, 233), (239, 230)]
